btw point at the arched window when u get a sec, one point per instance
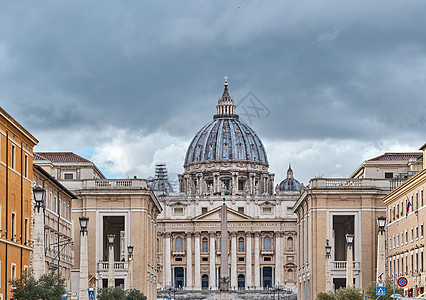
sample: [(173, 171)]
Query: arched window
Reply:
[(290, 243), (290, 274), (205, 245), (267, 243), (178, 244), (241, 244)]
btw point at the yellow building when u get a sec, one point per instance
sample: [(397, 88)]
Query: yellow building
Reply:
[(16, 175), (406, 218)]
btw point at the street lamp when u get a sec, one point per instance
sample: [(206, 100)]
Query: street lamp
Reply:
[(328, 285), (111, 279), (381, 251), (39, 254), (84, 221), (39, 194), (84, 259), (349, 263), (130, 272)]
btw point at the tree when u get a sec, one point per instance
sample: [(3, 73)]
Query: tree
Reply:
[(111, 293), (135, 295), (370, 290), (49, 287), (348, 293)]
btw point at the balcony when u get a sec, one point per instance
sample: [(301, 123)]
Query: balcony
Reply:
[(179, 253), (341, 265), (118, 266), (267, 252)]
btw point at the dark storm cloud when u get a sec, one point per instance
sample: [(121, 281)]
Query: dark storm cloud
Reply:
[(325, 69)]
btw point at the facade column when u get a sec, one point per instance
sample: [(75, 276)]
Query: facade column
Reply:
[(278, 254), (168, 265), (197, 254), (84, 267), (39, 256), (189, 260), (212, 261), (248, 260), (381, 256), (257, 260), (111, 277), (234, 281)]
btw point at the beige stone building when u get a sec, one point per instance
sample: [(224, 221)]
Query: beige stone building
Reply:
[(226, 159), (57, 231), (406, 217), (330, 208), (125, 208)]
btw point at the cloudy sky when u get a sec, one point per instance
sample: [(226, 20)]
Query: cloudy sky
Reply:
[(128, 83)]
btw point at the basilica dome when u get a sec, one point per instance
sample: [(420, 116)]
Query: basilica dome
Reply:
[(226, 138), (289, 184)]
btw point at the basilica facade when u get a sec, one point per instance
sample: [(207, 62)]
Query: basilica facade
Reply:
[(226, 162)]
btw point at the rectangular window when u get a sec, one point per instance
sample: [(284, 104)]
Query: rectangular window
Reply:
[(13, 226), (406, 264), (402, 265), (178, 259), (421, 198), (240, 185), (406, 236), (26, 166), (397, 240), (417, 232), (417, 262), (13, 157), (421, 261), (68, 176), (13, 271), (26, 232), (267, 210), (388, 175), (241, 258), (412, 262), (241, 210), (203, 210), (412, 234), (421, 230), (267, 258), (178, 211), (204, 259)]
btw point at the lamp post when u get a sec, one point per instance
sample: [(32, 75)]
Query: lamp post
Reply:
[(328, 284), (349, 260), (84, 260), (381, 259), (39, 255), (130, 272), (111, 279)]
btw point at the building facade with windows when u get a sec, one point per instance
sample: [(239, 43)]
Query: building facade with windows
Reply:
[(16, 176), (125, 208), (58, 230), (406, 218), (330, 208), (226, 161)]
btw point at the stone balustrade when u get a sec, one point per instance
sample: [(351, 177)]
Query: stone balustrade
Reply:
[(118, 266)]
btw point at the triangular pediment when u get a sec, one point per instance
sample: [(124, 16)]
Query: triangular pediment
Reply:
[(214, 215)]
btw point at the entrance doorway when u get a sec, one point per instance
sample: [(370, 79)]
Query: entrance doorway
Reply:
[(241, 282), (179, 277), (205, 282), (267, 277)]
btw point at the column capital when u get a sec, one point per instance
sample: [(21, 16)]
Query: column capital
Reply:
[(189, 234), (197, 234), (278, 234), (257, 234), (167, 234), (212, 234), (233, 234), (249, 233)]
